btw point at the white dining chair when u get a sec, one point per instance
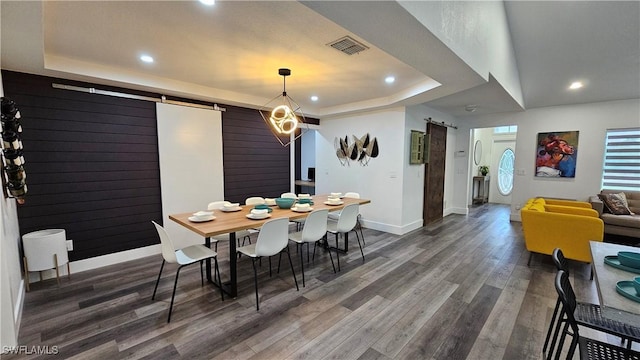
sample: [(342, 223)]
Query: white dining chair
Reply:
[(297, 223), (272, 240), (346, 223), (183, 257), (242, 234), (336, 214), (252, 201), (315, 228)]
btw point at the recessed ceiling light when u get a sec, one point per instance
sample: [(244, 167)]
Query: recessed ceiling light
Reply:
[(389, 79), (576, 85), (208, 2), (314, 98), (146, 58)]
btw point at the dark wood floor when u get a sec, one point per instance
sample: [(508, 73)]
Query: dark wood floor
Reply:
[(457, 289)]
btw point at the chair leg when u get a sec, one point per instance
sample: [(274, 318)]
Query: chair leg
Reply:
[(331, 257), (157, 281), (279, 258), (302, 265), (175, 285), (529, 262), (361, 252), (591, 265), (313, 257), (217, 271), (359, 227), (563, 335), (201, 273), (292, 271), (556, 333), (255, 280), (553, 321), (337, 252)]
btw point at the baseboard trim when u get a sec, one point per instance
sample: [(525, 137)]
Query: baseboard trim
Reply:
[(98, 262), (115, 258)]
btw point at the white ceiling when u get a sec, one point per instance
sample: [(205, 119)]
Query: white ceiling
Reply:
[(230, 53)]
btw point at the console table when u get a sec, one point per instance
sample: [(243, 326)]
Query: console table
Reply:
[(480, 189)]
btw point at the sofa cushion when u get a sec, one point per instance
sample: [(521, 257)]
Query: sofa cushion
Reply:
[(616, 203), (632, 221)]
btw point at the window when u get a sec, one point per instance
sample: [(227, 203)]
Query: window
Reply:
[(621, 169), (505, 172), (505, 129)]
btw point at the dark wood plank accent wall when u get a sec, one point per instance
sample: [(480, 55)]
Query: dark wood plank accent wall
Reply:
[(255, 164), (93, 169), (92, 165)]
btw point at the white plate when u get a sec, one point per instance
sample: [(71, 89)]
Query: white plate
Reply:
[(238, 208), (293, 208), (334, 203), (203, 219), (258, 217)]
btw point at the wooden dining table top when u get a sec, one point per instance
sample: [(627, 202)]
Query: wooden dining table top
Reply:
[(226, 222)]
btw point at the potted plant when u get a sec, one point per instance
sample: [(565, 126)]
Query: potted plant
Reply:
[(483, 170)]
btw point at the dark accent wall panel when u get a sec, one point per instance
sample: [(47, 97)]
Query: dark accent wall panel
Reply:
[(91, 162), (255, 164)]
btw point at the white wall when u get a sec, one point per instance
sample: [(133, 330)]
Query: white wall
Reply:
[(592, 120), (11, 283), (191, 173), (478, 32), (394, 187), (381, 180), (414, 184)]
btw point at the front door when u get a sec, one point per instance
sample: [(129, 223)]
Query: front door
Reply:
[(434, 173)]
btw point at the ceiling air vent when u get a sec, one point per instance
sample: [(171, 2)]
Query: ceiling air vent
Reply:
[(348, 45)]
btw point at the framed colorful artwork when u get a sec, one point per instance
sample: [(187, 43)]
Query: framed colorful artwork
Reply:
[(557, 154)]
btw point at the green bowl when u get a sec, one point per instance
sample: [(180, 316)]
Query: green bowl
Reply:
[(285, 203), (636, 283), (630, 259)]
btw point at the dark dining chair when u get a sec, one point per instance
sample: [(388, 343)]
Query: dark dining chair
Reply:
[(588, 315), (590, 349)]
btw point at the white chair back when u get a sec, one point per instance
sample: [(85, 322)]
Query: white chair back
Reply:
[(255, 200), (288, 195), (216, 205), (353, 195), (168, 250), (273, 237), (315, 225), (348, 218)]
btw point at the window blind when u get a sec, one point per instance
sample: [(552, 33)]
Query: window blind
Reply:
[(622, 160)]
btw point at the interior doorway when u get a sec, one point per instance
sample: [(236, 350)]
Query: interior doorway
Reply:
[(494, 147), (305, 163)]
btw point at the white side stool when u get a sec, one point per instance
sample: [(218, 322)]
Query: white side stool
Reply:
[(44, 250)]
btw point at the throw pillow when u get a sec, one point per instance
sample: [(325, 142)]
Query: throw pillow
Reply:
[(616, 203)]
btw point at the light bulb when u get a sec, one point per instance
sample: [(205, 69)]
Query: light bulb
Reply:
[(283, 120)]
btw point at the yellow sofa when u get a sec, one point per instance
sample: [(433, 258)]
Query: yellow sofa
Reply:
[(569, 225)]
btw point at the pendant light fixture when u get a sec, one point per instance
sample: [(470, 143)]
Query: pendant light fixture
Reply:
[(285, 117)]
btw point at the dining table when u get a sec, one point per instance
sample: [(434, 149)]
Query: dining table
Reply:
[(612, 304), (228, 222)]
